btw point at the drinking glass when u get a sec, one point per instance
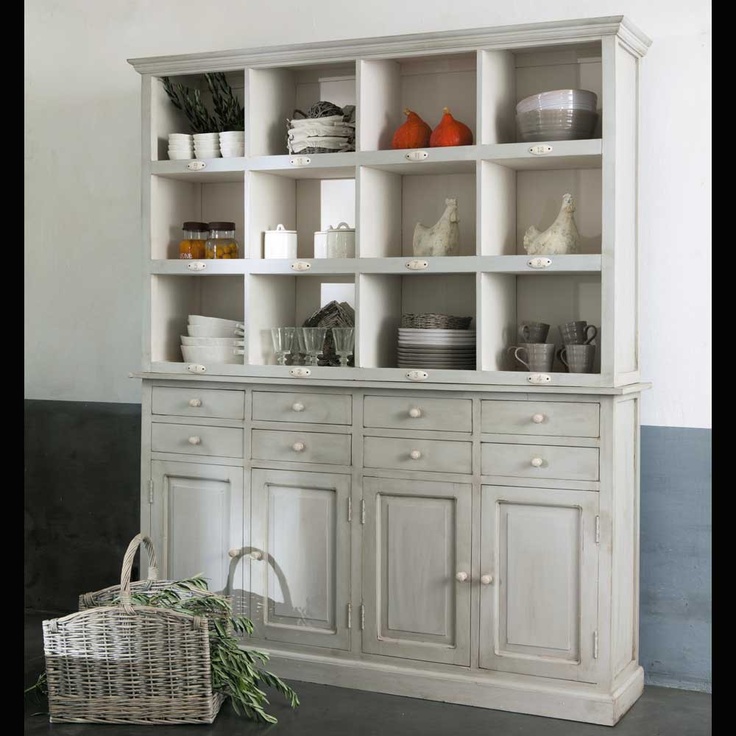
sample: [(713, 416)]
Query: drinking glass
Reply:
[(282, 338), (344, 338), (312, 340)]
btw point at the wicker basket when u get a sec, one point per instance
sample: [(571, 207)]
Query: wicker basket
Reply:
[(431, 321), (128, 663)]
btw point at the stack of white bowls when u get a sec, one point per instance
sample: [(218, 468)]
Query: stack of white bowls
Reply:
[(213, 340), (181, 146), (207, 145), (557, 115), (232, 143)]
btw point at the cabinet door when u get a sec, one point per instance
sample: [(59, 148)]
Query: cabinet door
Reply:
[(301, 532), (416, 539), (196, 518), (539, 609)]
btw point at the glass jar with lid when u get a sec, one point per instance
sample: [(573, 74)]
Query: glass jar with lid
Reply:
[(221, 242), (193, 239)]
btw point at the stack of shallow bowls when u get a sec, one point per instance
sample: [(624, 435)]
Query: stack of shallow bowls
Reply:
[(232, 143), (207, 145), (181, 146), (436, 348), (213, 340), (557, 115)]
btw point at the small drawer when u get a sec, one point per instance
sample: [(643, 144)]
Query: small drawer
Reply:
[(406, 454), (197, 440), (417, 412), (276, 406), (539, 461), (543, 418), (301, 447), (197, 402)]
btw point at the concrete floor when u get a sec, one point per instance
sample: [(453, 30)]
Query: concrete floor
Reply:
[(333, 711)]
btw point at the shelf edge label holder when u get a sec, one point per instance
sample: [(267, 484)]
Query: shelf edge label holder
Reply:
[(196, 165), (540, 149), (300, 161), (539, 379), (539, 262)]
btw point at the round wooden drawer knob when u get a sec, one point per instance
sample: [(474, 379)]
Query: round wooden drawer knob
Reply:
[(195, 440), (298, 447), (537, 462), (415, 454), (297, 406), (415, 412), (461, 577), (195, 402), (538, 418), (486, 579)]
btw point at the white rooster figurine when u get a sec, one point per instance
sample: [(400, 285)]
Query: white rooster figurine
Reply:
[(559, 238), (443, 238)]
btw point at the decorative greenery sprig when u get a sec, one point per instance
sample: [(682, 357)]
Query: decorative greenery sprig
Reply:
[(189, 101), (228, 110)]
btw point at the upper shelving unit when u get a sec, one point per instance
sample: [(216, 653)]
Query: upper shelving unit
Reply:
[(502, 185)]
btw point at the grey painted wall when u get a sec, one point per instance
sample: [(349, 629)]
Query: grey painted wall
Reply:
[(82, 463)]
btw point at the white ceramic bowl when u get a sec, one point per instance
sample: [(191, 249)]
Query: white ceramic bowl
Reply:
[(213, 331), (232, 135), (181, 138), (232, 152), (559, 99), (206, 137), (211, 354), (201, 319), (233, 341), (207, 153), (180, 155)]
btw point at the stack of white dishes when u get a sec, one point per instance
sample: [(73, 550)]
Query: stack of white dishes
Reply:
[(181, 146), (207, 145), (232, 143), (557, 115), (436, 348), (213, 340)]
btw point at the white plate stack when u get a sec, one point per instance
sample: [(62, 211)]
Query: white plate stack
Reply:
[(207, 145), (213, 340), (436, 348), (232, 143)]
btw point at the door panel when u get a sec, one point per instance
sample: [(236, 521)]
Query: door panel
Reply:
[(416, 537), (301, 584), (197, 517), (538, 615)]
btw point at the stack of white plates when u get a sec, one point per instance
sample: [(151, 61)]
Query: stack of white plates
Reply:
[(213, 340), (436, 348)]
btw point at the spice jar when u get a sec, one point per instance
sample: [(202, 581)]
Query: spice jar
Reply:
[(221, 242), (192, 243)]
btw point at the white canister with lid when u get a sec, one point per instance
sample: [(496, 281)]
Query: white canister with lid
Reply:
[(320, 244), (280, 243), (341, 241)]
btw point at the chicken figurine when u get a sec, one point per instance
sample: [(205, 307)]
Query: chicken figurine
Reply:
[(442, 238), (559, 238)]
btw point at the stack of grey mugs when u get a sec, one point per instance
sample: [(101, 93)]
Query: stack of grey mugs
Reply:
[(577, 353)]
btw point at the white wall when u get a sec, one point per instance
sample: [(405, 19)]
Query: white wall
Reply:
[(82, 190)]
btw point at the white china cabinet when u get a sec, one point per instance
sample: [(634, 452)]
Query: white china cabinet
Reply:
[(468, 536)]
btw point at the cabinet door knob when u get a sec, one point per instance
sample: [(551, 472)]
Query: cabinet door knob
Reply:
[(415, 412), (537, 462), (538, 418), (486, 579), (415, 454), (297, 406), (256, 555), (298, 447), (461, 577), (194, 440)]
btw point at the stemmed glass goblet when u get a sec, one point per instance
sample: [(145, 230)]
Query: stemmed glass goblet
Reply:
[(282, 338), (344, 339)]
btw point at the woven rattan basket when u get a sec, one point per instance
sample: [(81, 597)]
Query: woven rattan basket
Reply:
[(432, 321), (129, 663)]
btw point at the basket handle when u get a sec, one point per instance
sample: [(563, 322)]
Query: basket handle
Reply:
[(127, 569)]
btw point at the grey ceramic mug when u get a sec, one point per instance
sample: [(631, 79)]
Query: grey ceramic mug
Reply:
[(538, 356), (533, 331), (577, 358), (578, 332)]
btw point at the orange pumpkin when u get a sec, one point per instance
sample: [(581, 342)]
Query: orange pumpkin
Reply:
[(412, 133), (451, 132)]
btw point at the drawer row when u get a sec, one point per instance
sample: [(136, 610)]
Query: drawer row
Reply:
[(392, 453), (498, 416)]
